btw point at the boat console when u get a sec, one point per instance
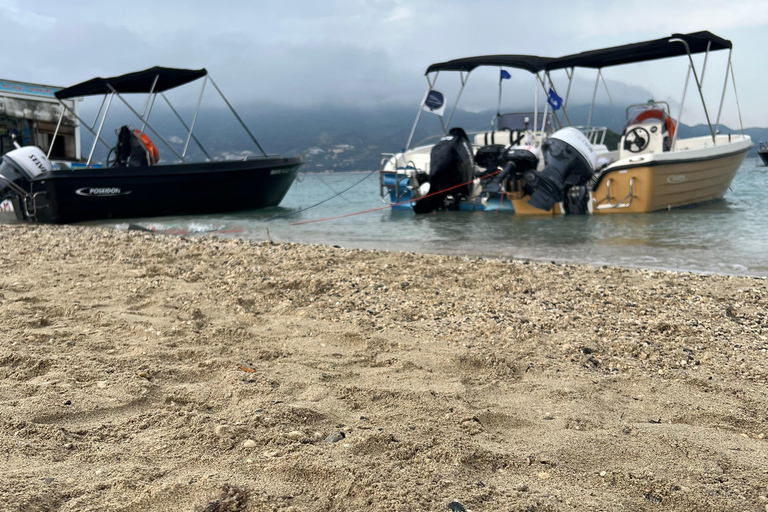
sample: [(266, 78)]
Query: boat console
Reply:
[(650, 129)]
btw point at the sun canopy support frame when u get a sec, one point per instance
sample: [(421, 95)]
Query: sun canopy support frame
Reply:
[(152, 81), (692, 43)]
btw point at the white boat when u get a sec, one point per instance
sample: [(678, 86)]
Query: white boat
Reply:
[(537, 163)]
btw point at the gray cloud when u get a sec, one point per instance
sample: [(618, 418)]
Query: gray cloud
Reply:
[(367, 52)]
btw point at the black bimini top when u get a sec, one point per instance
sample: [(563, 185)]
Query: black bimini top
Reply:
[(530, 63), (641, 52), (614, 56), (137, 82)]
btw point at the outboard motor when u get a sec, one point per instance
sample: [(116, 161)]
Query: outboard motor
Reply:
[(451, 163), (17, 169), (570, 162)]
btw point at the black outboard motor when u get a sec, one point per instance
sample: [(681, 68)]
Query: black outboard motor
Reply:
[(451, 163), (513, 162), (570, 161)]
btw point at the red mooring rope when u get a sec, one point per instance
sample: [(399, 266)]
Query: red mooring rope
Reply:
[(392, 205)]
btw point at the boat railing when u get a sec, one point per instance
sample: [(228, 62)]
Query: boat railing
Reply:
[(595, 134)]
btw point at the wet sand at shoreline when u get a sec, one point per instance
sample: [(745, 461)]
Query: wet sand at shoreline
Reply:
[(144, 372)]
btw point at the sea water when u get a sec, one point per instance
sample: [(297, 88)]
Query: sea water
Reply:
[(728, 236)]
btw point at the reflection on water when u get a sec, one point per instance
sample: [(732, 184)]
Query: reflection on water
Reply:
[(727, 236)]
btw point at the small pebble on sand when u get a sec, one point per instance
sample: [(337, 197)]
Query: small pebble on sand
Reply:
[(249, 443), (223, 431), (296, 435)]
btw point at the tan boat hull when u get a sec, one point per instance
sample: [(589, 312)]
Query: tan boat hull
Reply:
[(661, 186), (666, 185)]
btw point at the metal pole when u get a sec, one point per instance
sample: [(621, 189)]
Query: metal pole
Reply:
[(535, 108), (418, 114), (680, 111), (160, 137), (78, 149), (413, 129), (498, 105), (725, 85), (456, 104), (237, 116), (97, 113), (570, 81), (546, 111), (149, 97), (151, 106), (55, 133), (178, 116), (147, 104), (84, 123), (552, 85), (698, 85), (194, 118), (738, 108), (704, 67), (594, 96), (98, 135), (613, 107)]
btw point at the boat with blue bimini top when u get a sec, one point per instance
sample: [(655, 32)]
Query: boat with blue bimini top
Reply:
[(537, 162), (135, 182)]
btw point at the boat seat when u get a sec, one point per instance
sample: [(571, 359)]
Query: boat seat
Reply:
[(133, 149)]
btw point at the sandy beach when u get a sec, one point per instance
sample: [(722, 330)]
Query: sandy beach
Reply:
[(144, 372)]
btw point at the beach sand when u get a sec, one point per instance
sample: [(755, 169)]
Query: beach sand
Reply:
[(143, 372)]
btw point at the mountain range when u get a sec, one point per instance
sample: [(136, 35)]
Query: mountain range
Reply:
[(340, 138)]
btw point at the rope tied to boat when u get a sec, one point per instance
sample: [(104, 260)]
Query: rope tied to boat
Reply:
[(280, 216), (395, 204)]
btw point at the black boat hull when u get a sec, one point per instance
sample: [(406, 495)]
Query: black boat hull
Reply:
[(177, 189), (763, 156)]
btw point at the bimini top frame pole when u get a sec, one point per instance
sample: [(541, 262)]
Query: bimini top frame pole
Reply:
[(150, 81), (431, 83), (238, 117), (696, 42), (530, 63), (698, 83)]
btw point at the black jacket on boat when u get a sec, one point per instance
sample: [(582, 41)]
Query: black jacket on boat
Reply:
[(451, 163)]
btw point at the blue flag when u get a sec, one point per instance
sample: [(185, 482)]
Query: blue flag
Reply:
[(505, 75), (554, 100)]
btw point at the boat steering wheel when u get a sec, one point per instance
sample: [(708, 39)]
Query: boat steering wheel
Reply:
[(636, 140), (112, 157)]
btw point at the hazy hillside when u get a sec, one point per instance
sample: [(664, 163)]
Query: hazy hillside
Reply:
[(336, 138)]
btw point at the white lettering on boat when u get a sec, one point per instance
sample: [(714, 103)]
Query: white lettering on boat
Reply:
[(279, 171), (101, 191), (37, 162), (676, 178)]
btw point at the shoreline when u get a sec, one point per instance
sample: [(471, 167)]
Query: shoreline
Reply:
[(151, 372)]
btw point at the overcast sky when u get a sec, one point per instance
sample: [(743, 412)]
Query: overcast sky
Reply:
[(375, 52)]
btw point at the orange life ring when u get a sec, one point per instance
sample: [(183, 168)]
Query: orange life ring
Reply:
[(149, 146), (658, 114)]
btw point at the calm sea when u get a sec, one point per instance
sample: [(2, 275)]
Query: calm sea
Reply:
[(728, 236)]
